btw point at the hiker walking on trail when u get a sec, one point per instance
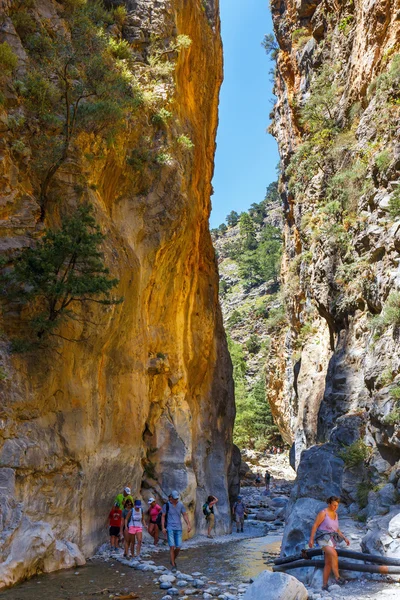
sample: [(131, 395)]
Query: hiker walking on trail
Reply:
[(238, 511), (208, 511), (154, 511), (267, 478), (171, 524), (327, 535), (127, 509), (135, 523), (258, 479), (122, 498), (115, 530)]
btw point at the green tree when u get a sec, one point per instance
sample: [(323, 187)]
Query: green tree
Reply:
[(266, 432), (75, 83), (232, 219), (272, 194), (253, 344), (64, 269), (270, 45), (247, 232), (257, 212), (249, 268), (319, 110), (222, 228)]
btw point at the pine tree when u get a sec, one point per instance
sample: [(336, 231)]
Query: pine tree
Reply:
[(63, 270)]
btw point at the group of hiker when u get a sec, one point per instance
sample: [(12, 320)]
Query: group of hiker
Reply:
[(127, 521), (267, 481)]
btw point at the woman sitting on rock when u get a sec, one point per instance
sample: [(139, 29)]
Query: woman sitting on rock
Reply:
[(327, 535)]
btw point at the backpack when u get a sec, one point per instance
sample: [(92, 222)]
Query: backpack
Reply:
[(159, 517), (131, 521), (206, 510)]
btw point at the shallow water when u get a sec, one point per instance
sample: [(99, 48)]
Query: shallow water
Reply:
[(231, 561)]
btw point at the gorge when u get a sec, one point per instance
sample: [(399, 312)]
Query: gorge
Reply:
[(114, 105)]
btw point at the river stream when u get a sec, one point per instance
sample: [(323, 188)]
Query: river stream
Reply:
[(230, 562)]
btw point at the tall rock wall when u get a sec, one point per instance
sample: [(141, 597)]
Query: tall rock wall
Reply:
[(145, 397), (337, 121)]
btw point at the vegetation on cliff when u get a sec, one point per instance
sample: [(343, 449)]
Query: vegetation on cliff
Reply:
[(249, 250), (336, 120), (64, 269), (82, 87), (74, 95)]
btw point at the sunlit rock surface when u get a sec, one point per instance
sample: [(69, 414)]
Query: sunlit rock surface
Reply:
[(145, 399)]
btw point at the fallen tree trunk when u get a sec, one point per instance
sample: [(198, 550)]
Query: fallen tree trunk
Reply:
[(347, 566), (371, 558)]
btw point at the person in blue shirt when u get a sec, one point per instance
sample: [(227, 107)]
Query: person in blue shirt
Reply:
[(171, 524)]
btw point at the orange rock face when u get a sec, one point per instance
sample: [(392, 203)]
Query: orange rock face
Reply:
[(145, 398)]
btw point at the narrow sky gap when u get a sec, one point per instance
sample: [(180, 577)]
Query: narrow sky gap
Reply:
[(246, 156)]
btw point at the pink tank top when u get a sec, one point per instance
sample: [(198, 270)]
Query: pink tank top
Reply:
[(329, 524)]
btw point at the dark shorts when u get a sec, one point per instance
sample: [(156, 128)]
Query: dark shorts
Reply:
[(114, 531)]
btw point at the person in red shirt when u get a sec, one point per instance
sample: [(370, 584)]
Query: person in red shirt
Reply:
[(154, 510), (115, 519)]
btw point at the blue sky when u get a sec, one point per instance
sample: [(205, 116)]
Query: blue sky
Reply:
[(247, 156)]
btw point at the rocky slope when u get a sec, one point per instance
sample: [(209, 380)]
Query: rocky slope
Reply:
[(145, 397), (248, 254), (335, 370)]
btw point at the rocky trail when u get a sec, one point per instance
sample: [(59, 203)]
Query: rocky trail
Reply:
[(221, 568)]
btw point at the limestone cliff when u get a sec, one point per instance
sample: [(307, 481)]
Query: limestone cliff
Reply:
[(335, 369), (145, 397)]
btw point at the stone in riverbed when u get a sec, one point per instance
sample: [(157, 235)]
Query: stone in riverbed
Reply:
[(165, 585), (184, 577), (173, 591), (181, 583), (166, 598), (276, 586), (265, 515), (190, 591), (207, 596), (169, 578)]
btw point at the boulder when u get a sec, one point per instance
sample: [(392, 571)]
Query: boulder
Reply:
[(167, 578), (275, 586), (299, 521), (379, 502), (33, 547), (165, 585), (319, 474), (265, 515), (244, 469), (383, 534), (278, 502), (347, 430)]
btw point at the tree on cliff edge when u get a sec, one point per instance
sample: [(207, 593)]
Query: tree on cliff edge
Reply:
[(63, 270)]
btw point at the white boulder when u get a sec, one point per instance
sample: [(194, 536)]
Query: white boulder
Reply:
[(276, 586)]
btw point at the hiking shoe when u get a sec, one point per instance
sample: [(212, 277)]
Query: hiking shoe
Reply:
[(325, 588), (241, 531), (211, 537), (340, 581)]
